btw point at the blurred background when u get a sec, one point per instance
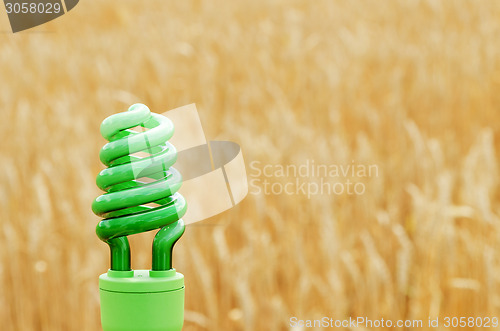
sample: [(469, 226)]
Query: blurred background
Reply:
[(410, 86)]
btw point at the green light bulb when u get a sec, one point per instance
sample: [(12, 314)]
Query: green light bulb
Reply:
[(139, 174)]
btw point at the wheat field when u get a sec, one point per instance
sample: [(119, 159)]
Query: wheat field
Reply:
[(410, 86)]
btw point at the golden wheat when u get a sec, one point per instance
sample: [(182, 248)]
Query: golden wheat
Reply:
[(411, 86)]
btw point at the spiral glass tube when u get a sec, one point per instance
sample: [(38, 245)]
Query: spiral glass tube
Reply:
[(132, 182)]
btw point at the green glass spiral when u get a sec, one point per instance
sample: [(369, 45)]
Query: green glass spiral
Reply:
[(133, 182)]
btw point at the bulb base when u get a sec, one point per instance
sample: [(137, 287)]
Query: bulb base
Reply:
[(142, 300)]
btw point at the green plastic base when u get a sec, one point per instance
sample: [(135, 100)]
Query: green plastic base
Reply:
[(142, 300)]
